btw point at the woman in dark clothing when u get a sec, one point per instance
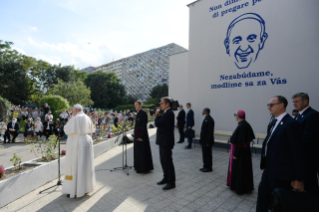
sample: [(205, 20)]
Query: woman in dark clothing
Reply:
[(58, 128), (28, 131), (240, 171)]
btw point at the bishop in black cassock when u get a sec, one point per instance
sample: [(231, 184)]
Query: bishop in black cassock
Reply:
[(240, 171), (143, 162)]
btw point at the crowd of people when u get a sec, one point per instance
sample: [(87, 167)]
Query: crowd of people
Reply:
[(40, 122)]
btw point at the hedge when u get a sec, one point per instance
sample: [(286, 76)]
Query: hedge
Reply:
[(132, 107), (57, 104)]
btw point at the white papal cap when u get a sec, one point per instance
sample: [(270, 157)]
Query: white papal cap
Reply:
[(78, 106)]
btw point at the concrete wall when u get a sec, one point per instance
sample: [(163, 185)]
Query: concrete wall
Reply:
[(288, 52), (178, 84)]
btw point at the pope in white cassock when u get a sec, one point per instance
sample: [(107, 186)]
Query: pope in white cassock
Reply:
[(79, 166)]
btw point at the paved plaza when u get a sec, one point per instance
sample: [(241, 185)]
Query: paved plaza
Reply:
[(21, 148), (115, 191)]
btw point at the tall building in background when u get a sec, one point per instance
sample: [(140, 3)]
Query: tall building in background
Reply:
[(89, 69), (141, 72)]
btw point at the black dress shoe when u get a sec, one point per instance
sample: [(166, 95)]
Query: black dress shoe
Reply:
[(68, 195), (169, 186), (206, 170), (13, 141), (201, 169), (188, 147), (162, 182), (180, 142)]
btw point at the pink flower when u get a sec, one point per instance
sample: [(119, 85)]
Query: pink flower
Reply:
[(2, 171)]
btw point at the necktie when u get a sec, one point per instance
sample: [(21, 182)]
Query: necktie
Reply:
[(297, 116), (271, 128), (272, 125)]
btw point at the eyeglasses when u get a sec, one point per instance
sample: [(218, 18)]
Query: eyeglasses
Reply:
[(272, 104)]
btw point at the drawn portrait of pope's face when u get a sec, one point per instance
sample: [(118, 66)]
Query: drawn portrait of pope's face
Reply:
[(245, 39)]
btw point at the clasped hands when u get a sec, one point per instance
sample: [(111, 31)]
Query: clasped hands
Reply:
[(297, 185), (139, 139)]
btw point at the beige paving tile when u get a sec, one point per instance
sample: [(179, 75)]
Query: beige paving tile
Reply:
[(115, 191)]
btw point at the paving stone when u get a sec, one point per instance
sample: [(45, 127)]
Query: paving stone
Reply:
[(115, 191)]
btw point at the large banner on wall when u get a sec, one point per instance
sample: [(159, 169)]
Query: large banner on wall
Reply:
[(243, 52)]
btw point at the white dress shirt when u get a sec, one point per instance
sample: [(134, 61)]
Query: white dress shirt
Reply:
[(301, 112), (50, 116), (38, 126)]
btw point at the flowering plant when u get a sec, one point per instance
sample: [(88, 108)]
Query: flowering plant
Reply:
[(3, 127), (2, 171)]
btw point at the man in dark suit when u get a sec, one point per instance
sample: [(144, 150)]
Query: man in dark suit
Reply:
[(281, 158), (181, 124), (165, 123), (207, 140), (12, 128), (47, 127), (308, 119), (189, 124)]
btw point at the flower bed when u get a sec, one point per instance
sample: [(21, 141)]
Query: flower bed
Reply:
[(18, 185)]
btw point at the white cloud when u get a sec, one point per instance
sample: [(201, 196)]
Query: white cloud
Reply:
[(34, 28), (19, 50), (78, 53), (54, 60)]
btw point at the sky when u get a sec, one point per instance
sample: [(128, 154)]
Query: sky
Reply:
[(92, 32)]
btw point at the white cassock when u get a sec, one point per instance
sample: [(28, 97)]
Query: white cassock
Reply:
[(79, 165)]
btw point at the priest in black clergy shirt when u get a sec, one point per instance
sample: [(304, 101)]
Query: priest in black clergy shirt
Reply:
[(143, 162)]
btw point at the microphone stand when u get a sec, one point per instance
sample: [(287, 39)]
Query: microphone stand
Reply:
[(59, 174), (124, 166)]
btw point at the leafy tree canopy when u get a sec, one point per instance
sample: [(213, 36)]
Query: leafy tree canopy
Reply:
[(75, 92), (106, 90), (158, 92), (57, 104)]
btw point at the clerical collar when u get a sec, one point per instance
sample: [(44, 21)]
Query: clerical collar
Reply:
[(167, 109), (80, 112), (301, 112)]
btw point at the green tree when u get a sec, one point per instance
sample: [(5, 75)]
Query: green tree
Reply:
[(79, 75), (75, 92), (130, 99), (13, 78), (106, 90), (151, 100), (51, 74), (57, 104), (158, 92), (19, 75)]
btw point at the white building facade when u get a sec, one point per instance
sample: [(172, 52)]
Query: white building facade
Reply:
[(242, 53), (141, 72)]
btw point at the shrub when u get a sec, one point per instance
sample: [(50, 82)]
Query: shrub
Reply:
[(132, 107), (2, 171), (16, 160), (44, 147), (56, 103)]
